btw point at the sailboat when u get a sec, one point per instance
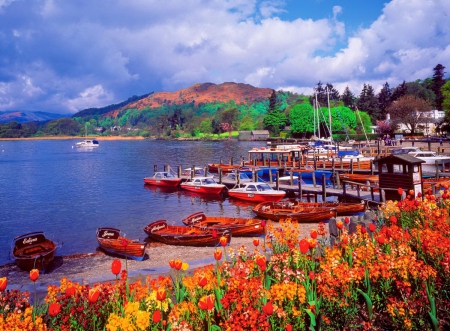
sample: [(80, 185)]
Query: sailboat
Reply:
[(87, 143)]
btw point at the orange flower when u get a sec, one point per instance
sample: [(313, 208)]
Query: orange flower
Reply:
[(206, 302), (93, 295), (54, 309), (217, 254), (339, 225), (116, 267), (400, 191), (178, 264), (261, 262), (172, 264), (255, 241), (161, 294), (312, 243), (34, 274), (268, 308), (313, 233), (223, 241), (3, 283)]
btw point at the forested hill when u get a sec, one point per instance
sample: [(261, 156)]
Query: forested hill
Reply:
[(198, 94)]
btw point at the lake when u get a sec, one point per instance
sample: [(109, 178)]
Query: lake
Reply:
[(68, 192)]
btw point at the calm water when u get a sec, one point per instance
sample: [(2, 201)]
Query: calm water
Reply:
[(68, 192)]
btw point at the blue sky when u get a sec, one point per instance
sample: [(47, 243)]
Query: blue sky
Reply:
[(63, 56)]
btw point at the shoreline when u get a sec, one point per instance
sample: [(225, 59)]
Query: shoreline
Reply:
[(77, 138)]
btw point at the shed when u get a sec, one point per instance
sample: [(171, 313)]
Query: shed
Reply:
[(260, 134), (399, 171)]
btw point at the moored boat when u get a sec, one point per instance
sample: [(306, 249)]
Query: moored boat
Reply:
[(184, 236), (205, 185), (359, 178), (256, 192), (239, 227), (226, 168), (113, 241), (33, 251), (163, 178)]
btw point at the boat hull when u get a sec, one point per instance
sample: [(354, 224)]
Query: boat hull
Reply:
[(184, 236), (116, 244), (33, 251), (255, 197), (239, 227), (202, 189), (162, 182)]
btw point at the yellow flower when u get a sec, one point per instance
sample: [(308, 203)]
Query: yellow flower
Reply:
[(184, 266)]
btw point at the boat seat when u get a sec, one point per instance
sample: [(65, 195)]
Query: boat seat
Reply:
[(34, 250)]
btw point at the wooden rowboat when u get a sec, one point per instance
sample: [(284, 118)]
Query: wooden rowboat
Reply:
[(226, 168), (360, 178), (183, 236), (33, 251), (113, 241), (239, 227), (437, 182), (285, 209)]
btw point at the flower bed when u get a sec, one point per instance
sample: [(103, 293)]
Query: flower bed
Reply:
[(392, 275)]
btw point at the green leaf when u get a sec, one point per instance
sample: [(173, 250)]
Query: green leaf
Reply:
[(312, 317), (368, 303)]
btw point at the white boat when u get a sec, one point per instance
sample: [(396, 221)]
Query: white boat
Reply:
[(198, 172), (88, 143), (243, 178), (430, 159), (257, 192)]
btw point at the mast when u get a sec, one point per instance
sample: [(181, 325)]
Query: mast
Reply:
[(329, 113), (316, 111)]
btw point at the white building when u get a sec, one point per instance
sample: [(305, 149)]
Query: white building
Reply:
[(427, 124)]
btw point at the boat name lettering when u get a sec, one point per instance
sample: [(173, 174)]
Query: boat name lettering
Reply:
[(158, 227), (250, 195), (29, 240), (107, 234), (195, 219), (264, 208)]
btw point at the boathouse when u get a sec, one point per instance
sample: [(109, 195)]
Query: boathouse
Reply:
[(399, 171), (260, 134)]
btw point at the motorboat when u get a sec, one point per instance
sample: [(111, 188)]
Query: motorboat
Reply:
[(205, 185), (256, 192), (88, 143), (430, 158), (194, 172), (163, 178), (234, 177)]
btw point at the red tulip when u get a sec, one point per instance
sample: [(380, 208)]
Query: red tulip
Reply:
[(312, 243), (202, 280), (381, 240), (156, 317), (399, 204), (393, 219), (93, 295), (255, 241), (34, 274), (70, 291), (206, 302), (288, 327), (313, 233), (347, 220), (304, 246), (411, 193), (223, 241), (363, 229), (400, 191), (268, 308), (372, 227), (172, 264), (419, 195), (217, 254), (3, 283), (54, 309), (178, 264), (311, 275), (116, 267), (161, 294), (339, 225)]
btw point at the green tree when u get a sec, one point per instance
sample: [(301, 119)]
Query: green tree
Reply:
[(229, 119), (368, 102), (272, 101), (206, 126), (246, 124), (366, 122), (384, 99), (409, 110), (301, 118), (399, 91), (275, 122), (445, 90), (348, 98)]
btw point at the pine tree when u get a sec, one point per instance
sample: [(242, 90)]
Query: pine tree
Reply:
[(348, 98), (384, 99), (272, 101), (399, 91), (438, 82), (368, 102)]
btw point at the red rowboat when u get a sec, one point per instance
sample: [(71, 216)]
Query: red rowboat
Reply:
[(113, 241), (239, 227), (206, 185), (184, 236), (163, 178), (256, 192)]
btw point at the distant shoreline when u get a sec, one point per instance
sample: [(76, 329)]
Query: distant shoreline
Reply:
[(77, 138)]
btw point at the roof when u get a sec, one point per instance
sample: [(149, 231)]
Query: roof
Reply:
[(260, 132), (400, 158)]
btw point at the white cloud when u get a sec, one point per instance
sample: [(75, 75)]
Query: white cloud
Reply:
[(91, 97)]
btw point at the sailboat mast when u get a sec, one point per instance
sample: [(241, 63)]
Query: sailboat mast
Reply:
[(316, 112), (329, 113)]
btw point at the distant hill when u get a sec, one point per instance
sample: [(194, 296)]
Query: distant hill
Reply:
[(27, 116), (198, 94)]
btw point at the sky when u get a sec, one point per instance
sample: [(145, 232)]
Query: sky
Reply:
[(63, 56)]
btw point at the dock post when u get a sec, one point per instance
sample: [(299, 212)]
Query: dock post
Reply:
[(300, 193), (315, 161), (314, 177), (270, 174), (342, 163), (291, 175), (179, 171), (254, 179), (192, 172), (358, 163), (231, 161), (277, 183), (205, 169), (155, 168), (371, 190), (164, 168), (382, 195), (220, 161), (429, 145), (371, 167), (332, 165), (324, 188), (238, 176), (358, 190), (344, 190), (436, 162), (351, 166), (220, 175), (315, 197), (338, 181), (433, 188)]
